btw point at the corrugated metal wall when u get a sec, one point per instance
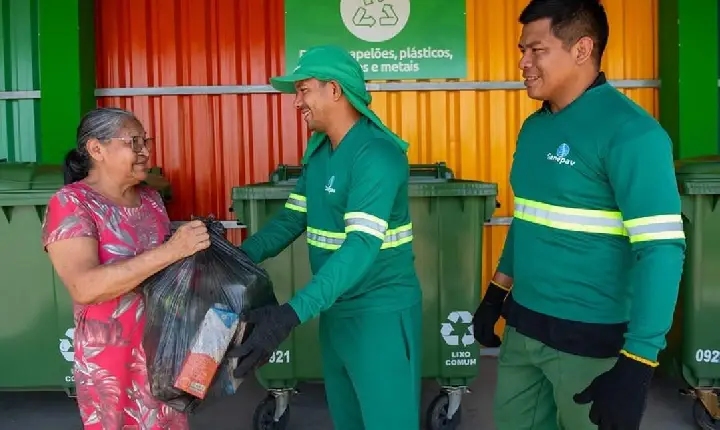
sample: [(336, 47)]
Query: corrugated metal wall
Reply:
[(19, 122), (209, 143)]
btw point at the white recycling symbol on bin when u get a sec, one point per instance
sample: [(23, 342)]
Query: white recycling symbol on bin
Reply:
[(66, 346), (447, 329)]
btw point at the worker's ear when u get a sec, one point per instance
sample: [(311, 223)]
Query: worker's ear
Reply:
[(336, 90), (583, 49)]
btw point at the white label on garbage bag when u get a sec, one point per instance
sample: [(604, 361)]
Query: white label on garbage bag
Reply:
[(458, 329), (707, 356), (280, 357)]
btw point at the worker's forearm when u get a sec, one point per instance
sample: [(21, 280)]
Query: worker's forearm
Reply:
[(340, 273), (507, 258), (275, 236), (655, 280)]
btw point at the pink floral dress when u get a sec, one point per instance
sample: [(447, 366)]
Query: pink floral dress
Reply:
[(110, 370)]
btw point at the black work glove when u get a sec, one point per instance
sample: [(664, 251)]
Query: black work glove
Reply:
[(270, 326), (618, 396), (487, 315)]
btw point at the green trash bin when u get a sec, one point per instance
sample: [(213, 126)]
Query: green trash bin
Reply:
[(693, 344), (37, 324), (36, 319), (448, 216)]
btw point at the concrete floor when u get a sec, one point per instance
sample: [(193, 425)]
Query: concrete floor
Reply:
[(44, 411)]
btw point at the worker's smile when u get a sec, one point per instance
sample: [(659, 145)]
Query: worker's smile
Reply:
[(531, 81)]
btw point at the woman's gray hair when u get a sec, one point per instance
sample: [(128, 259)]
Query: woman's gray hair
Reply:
[(101, 124)]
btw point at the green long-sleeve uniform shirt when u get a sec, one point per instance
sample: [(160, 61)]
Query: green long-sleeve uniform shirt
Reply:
[(353, 203), (596, 246)]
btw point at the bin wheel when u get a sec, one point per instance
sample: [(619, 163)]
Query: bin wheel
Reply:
[(703, 419), (264, 416), (437, 414)]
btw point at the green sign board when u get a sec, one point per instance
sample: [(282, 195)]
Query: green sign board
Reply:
[(391, 39)]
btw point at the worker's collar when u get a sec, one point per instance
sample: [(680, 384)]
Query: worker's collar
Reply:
[(599, 80), (362, 123)]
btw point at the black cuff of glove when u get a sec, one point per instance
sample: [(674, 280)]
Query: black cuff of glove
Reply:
[(620, 392), (288, 317), (495, 295), (634, 369)]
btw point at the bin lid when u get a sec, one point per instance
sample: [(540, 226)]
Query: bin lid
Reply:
[(34, 181), (23, 177), (699, 175), (289, 174), (156, 180), (417, 188), (426, 180)]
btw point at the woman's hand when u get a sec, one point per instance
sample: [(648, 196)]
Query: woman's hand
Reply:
[(76, 262), (189, 238)]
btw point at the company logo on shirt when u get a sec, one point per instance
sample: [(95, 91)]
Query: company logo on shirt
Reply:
[(561, 155), (329, 187)]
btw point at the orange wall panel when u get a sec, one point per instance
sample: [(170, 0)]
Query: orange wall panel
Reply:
[(209, 143)]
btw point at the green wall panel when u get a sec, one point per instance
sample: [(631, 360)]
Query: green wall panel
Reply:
[(19, 71), (19, 129), (67, 37), (689, 103)]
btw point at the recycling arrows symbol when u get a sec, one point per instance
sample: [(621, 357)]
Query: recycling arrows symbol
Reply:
[(390, 17), (446, 329), (363, 19), (66, 345)]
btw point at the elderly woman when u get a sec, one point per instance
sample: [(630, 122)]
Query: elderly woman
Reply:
[(104, 234)]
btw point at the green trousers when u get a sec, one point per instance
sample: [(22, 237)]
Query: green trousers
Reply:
[(371, 366), (536, 385)]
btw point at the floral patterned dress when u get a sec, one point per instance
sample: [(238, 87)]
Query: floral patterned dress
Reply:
[(110, 370)]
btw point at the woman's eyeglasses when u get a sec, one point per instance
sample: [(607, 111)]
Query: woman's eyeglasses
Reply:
[(138, 143)]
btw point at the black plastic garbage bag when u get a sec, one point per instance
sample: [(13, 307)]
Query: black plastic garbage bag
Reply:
[(193, 309)]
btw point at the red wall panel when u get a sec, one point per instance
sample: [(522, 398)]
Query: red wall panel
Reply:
[(206, 144)]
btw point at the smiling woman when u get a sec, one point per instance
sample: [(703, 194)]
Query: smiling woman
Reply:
[(104, 234)]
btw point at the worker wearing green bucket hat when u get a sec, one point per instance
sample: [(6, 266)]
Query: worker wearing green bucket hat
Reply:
[(352, 200)]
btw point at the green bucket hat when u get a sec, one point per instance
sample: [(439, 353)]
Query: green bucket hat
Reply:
[(333, 63)]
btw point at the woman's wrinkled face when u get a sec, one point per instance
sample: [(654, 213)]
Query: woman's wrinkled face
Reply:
[(126, 156)]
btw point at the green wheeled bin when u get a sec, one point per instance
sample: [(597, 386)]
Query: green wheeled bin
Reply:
[(36, 318), (448, 216), (694, 340), (37, 324)]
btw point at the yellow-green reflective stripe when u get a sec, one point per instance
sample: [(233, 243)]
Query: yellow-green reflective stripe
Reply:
[(397, 236), (659, 227), (582, 220), (329, 234), (325, 240), (366, 223), (595, 213), (295, 208), (334, 240), (296, 202), (323, 245), (402, 228)]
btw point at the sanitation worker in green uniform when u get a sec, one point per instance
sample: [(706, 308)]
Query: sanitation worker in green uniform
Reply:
[(595, 252), (352, 201)]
